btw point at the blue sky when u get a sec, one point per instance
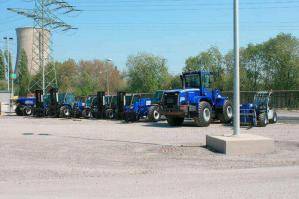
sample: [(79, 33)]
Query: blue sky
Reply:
[(174, 29)]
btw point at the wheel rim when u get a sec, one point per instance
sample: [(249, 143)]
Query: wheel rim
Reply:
[(229, 111), (275, 118), (28, 111), (66, 112), (110, 115), (156, 115), (206, 114), (265, 121)]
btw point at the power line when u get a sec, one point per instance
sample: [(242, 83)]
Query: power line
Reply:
[(45, 20)]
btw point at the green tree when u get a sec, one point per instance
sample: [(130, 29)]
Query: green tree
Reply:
[(147, 73), (96, 75), (67, 75), (175, 82), (211, 60), (2, 66), (281, 62), (23, 76)]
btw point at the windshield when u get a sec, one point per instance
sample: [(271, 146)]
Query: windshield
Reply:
[(261, 98), (158, 95), (192, 81), (135, 99)]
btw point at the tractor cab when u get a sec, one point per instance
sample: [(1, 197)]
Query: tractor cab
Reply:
[(157, 97), (204, 81), (262, 100), (197, 79)]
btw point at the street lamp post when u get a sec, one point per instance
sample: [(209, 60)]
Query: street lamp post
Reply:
[(236, 70), (107, 75), (8, 68), (7, 39)]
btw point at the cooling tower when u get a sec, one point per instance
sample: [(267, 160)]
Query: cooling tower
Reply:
[(30, 40)]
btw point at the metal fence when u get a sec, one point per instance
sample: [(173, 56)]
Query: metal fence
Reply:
[(280, 98)]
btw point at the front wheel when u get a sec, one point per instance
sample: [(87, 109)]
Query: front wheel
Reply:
[(274, 119), (226, 114), (65, 112), (204, 114), (175, 121), (109, 114), (154, 114), (262, 120), (28, 111)]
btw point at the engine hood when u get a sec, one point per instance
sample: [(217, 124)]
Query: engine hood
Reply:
[(247, 106), (181, 91)]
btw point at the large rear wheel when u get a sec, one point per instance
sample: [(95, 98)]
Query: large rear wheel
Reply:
[(154, 114), (226, 114), (28, 111), (86, 113), (65, 112), (204, 114), (175, 121), (109, 114)]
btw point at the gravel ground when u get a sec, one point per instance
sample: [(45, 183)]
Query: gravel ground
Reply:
[(62, 158)]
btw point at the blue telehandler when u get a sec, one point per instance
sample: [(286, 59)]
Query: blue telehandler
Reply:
[(144, 107), (198, 100), (260, 112)]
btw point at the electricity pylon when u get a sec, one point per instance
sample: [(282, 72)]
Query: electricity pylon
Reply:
[(45, 21)]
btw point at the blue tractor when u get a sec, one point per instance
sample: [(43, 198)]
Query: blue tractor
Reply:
[(198, 100), (86, 106), (78, 107), (260, 112), (53, 104), (66, 102), (144, 107), (25, 105)]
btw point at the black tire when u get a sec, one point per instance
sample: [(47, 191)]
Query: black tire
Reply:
[(109, 114), (127, 118), (38, 112), (225, 115), (65, 112), (175, 121), (77, 114), (131, 117), (274, 119), (28, 111), (262, 120), (204, 114), (86, 113), (19, 111), (154, 114)]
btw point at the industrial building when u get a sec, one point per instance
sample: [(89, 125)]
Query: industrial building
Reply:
[(30, 40)]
